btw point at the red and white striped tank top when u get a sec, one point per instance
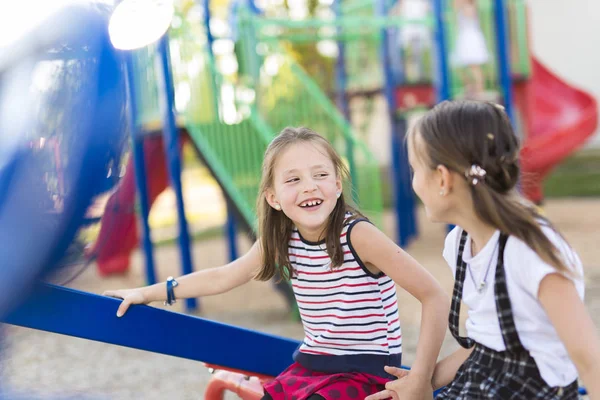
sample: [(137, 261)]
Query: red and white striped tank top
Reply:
[(350, 315)]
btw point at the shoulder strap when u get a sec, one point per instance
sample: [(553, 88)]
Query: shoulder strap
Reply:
[(459, 279), (506, 319)]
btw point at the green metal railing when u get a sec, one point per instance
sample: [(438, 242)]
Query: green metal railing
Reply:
[(231, 121), (287, 96), (362, 59)]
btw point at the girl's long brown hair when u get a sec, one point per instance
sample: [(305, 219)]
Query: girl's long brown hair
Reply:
[(275, 228), (458, 134)]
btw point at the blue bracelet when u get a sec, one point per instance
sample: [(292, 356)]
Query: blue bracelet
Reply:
[(171, 284)]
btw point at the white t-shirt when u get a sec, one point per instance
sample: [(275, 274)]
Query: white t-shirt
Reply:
[(524, 272)]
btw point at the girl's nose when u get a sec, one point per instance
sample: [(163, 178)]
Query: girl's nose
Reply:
[(310, 186)]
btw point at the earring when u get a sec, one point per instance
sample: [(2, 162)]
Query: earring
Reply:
[(338, 194), (277, 207), (442, 193)]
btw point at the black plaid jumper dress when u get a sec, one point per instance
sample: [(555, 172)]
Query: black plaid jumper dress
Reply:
[(490, 374)]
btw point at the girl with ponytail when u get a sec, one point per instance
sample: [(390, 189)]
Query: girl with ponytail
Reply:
[(528, 332)]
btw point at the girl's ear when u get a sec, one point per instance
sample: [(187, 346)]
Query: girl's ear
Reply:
[(445, 179), (272, 199), (338, 185)]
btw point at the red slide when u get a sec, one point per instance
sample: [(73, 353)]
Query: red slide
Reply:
[(118, 235), (559, 119)]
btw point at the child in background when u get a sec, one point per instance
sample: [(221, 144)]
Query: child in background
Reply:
[(343, 271), (528, 332), (470, 50)]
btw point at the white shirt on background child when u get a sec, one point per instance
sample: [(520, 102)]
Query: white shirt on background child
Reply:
[(524, 272)]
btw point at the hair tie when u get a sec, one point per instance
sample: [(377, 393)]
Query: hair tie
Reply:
[(475, 174)]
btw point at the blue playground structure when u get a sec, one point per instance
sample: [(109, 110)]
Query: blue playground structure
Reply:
[(63, 123), (69, 110)]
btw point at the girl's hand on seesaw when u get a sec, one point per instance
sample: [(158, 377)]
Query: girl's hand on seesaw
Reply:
[(129, 296)]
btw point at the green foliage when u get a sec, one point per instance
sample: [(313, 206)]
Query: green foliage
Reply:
[(578, 176), (318, 67)]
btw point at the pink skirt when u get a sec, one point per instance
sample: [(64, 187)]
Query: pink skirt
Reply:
[(298, 383)]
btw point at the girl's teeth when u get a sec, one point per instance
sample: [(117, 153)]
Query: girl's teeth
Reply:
[(311, 203)]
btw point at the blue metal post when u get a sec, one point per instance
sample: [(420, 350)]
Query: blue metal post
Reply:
[(172, 146), (504, 57), (341, 77), (401, 182), (231, 224), (255, 10), (442, 80), (137, 141), (231, 231), (209, 37)]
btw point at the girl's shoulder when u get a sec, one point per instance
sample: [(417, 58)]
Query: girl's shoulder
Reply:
[(352, 217), (357, 227), (528, 269), (517, 249)]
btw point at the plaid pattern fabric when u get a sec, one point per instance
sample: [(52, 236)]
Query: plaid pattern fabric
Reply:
[(504, 306), (459, 280), (490, 374)]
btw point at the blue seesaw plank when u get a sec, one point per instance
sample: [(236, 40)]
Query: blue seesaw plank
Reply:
[(89, 316)]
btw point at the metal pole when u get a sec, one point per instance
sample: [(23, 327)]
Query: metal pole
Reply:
[(442, 80), (504, 70), (403, 197), (172, 146), (209, 37), (137, 141), (341, 78), (340, 69), (231, 231)]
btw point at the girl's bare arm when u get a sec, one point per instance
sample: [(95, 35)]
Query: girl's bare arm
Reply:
[(574, 326), (197, 284)]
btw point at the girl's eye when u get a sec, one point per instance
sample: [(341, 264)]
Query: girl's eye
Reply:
[(291, 180), (322, 175)]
